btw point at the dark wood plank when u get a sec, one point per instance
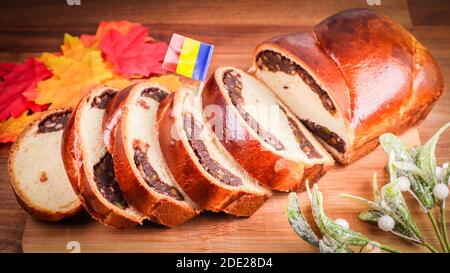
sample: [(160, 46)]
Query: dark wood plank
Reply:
[(429, 13), (51, 19)]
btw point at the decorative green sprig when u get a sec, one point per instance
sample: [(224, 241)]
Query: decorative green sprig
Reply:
[(413, 170), (336, 238), (429, 182)]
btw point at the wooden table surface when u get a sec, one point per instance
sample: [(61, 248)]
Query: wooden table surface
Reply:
[(234, 27)]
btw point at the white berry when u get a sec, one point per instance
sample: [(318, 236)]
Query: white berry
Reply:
[(440, 191), (445, 165), (403, 183), (342, 222), (386, 223)]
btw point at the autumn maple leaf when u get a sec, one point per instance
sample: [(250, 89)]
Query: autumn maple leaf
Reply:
[(18, 79), (75, 70), (11, 128), (123, 27), (131, 55), (171, 82)]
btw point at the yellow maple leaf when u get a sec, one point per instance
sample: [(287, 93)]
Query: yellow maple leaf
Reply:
[(73, 48), (11, 128), (118, 82), (77, 69), (170, 81)]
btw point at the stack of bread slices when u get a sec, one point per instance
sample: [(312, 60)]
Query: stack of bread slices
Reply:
[(146, 152), (149, 153)]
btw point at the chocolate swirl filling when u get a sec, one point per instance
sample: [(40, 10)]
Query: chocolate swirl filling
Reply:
[(274, 62), (326, 135), (192, 128), (149, 174), (102, 100), (233, 83), (53, 122), (106, 182)]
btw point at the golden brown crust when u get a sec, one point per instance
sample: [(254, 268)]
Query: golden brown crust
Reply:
[(113, 114), (191, 176), (37, 212), (94, 204), (269, 168), (159, 208), (69, 153), (392, 81)]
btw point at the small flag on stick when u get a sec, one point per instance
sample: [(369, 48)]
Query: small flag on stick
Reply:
[(188, 57)]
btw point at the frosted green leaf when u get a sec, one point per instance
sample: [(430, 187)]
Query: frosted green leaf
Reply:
[(392, 169), (427, 158), (372, 216), (329, 228), (394, 200), (299, 223), (410, 167), (371, 204), (445, 175), (324, 248), (420, 189), (376, 192), (392, 144)]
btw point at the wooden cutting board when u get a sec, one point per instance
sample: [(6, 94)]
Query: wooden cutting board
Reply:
[(266, 231)]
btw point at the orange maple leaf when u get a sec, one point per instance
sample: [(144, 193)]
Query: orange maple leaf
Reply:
[(77, 69), (11, 128)]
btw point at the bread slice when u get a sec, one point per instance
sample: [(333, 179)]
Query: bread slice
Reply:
[(200, 164), (90, 166), (139, 165), (111, 119), (37, 172), (261, 133)]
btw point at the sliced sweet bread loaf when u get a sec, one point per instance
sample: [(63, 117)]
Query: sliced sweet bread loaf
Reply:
[(351, 78), (37, 172), (200, 164), (139, 165), (90, 166), (261, 133)]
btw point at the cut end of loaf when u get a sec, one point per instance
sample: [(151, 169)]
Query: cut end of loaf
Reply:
[(36, 169)]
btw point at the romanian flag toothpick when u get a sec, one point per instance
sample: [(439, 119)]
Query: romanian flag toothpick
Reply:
[(188, 57)]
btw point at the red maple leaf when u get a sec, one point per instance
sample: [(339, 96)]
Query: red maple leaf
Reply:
[(17, 79), (131, 54), (104, 27)]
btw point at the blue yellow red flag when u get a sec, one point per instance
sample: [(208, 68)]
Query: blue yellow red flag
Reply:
[(188, 57)]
